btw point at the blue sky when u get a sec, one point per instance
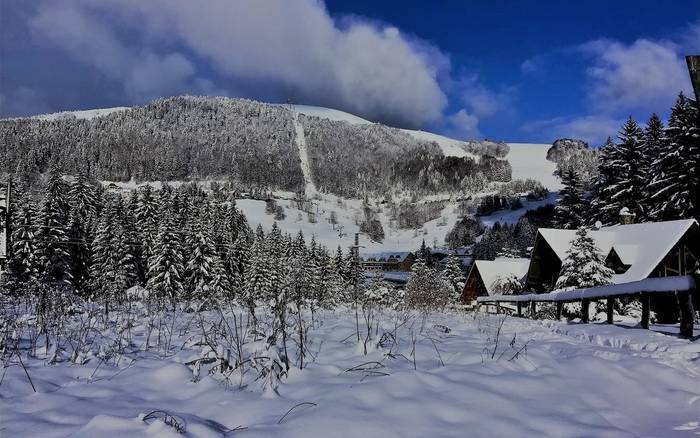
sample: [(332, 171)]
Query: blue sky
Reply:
[(529, 71)]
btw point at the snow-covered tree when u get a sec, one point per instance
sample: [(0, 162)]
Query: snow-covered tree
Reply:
[(426, 288), (453, 273), (165, 266), (584, 265), (52, 234), (675, 172), (572, 207), (24, 266)]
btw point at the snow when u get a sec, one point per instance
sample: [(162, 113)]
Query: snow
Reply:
[(300, 141), (642, 245), (530, 161), (501, 268), (650, 285), (571, 380), (83, 114)]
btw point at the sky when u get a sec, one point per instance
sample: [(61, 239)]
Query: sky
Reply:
[(518, 70)]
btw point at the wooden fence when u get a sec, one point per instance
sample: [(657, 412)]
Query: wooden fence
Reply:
[(684, 287)]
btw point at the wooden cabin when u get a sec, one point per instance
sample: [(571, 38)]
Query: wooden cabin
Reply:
[(486, 277), (633, 251)]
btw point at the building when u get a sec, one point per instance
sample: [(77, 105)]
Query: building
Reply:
[(388, 261), (491, 277), (633, 251)]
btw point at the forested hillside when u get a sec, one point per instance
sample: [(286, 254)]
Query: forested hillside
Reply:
[(248, 143)]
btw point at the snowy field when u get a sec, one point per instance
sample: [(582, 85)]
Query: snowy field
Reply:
[(423, 376)]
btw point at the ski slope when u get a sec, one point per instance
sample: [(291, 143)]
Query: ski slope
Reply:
[(528, 160), (300, 141)]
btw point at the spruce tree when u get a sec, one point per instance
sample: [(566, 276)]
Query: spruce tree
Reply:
[(24, 266), (654, 146), (206, 275), (675, 172), (572, 207), (584, 265), (165, 266), (625, 185), (52, 235), (453, 273)]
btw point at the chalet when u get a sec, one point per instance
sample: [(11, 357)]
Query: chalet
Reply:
[(633, 251), (388, 261), (488, 277)]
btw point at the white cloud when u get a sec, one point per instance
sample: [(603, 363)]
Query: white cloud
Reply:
[(464, 125), (643, 75), (482, 101), (593, 129), (155, 48)]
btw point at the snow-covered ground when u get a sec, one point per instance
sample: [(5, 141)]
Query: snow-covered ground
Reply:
[(543, 378), (82, 114)]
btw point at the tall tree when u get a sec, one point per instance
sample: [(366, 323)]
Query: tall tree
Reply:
[(675, 172), (165, 266), (572, 207), (52, 235)]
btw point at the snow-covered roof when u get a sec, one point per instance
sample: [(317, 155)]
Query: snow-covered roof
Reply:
[(493, 270), (643, 245), (385, 256)]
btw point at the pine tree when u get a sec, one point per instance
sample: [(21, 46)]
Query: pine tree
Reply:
[(607, 176), (426, 289), (79, 250), (83, 198), (24, 265), (675, 172), (584, 265), (453, 273), (623, 181), (113, 268), (654, 145), (53, 232), (206, 275), (165, 266), (572, 207)]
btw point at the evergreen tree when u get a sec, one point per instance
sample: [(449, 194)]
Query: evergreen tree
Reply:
[(584, 265), (52, 235), (572, 207), (206, 275), (24, 266), (675, 172), (453, 273), (113, 268), (165, 266), (654, 145), (83, 198), (607, 176), (624, 181), (426, 289)]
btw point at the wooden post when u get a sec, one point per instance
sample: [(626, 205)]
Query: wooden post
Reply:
[(533, 310), (585, 304), (520, 309), (611, 306), (685, 300), (560, 307), (645, 310), (498, 307)]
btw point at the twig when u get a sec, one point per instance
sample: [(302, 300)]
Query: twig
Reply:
[(25, 370), (294, 407)]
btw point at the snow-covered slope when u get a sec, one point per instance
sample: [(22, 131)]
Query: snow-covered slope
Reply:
[(528, 160), (84, 114)]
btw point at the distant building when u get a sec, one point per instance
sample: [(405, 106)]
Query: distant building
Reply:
[(388, 261)]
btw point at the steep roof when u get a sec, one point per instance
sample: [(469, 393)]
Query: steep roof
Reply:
[(643, 246), (501, 268)]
